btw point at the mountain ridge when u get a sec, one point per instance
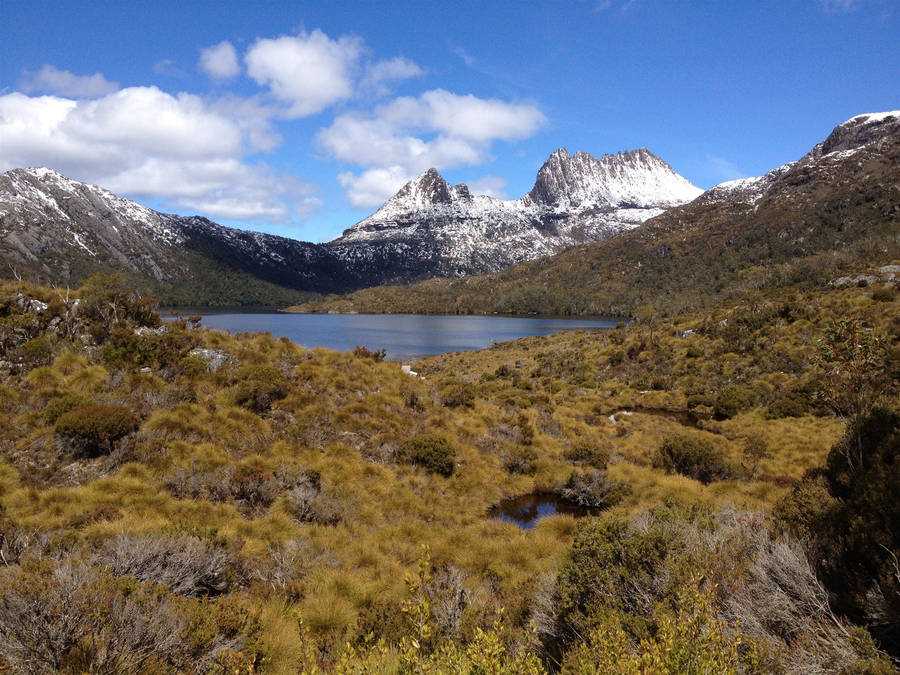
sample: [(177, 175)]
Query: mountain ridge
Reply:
[(58, 230)]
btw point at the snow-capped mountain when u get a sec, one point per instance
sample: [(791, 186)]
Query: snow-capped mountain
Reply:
[(57, 230), (432, 228)]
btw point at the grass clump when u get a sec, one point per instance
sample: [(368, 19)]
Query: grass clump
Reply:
[(431, 451), (93, 429), (692, 456)]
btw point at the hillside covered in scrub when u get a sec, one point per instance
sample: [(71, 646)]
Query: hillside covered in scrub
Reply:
[(174, 499)]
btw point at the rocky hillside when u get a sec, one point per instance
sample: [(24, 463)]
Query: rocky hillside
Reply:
[(833, 211)]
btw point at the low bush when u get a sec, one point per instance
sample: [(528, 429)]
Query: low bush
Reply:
[(884, 294), (587, 452), (592, 489), (431, 451), (259, 387), (692, 456), (458, 395), (37, 351), (520, 459), (94, 428), (731, 400), (253, 489), (59, 405), (186, 565)]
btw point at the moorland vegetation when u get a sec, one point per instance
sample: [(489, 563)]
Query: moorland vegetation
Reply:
[(176, 499)]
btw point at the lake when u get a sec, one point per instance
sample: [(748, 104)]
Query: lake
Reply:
[(404, 336)]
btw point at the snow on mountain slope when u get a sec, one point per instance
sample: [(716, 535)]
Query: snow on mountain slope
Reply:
[(575, 200)]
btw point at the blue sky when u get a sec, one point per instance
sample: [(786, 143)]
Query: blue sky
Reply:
[(300, 118)]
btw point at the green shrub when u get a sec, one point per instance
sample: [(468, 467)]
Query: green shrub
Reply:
[(692, 456), (94, 428), (587, 452), (37, 351), (520, 459), (790, 405), (60, 405), (431, 451), (260, 388), (616, 357), (458, 395), (731, 400)]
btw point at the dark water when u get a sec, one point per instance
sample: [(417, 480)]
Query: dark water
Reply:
[(404, 336), (526, 510)]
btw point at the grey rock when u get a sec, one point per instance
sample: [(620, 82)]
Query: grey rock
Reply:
[(215, 358)]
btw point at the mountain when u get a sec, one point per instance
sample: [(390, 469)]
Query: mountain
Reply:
[(58, 230), (834, 211), (430, 228)]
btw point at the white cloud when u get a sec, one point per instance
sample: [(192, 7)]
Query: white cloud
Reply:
[(220, 61), (406, 136), (372, 187), (144, 142), (309, 71), (52, 80), (492, 186), (380, 73), (468, 117)]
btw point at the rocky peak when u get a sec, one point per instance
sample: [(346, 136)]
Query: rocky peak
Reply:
[(857, 132), (429, 188), (630, 178)]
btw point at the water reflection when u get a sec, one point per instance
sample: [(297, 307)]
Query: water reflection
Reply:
[(526, 510)]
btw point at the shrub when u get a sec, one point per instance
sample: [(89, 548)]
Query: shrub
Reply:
[(37, 351), (732, 400), (251, 488), (616, 357), (260, 388), (592, 489), (431, 451), (692, 456), (790, 405), (587, 452), (186, 565), (365, 353), (94, 428), (520, 459), (458, 395), (60, 405), (884, 294)]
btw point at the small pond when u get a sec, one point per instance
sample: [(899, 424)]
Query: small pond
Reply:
[(526, 510)]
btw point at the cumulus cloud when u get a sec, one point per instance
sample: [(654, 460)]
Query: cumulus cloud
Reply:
[(406, 136), (492, 186), (374, 186), (143, 141), (309, 71), (381, 73), (52, 80), (220, 61)]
